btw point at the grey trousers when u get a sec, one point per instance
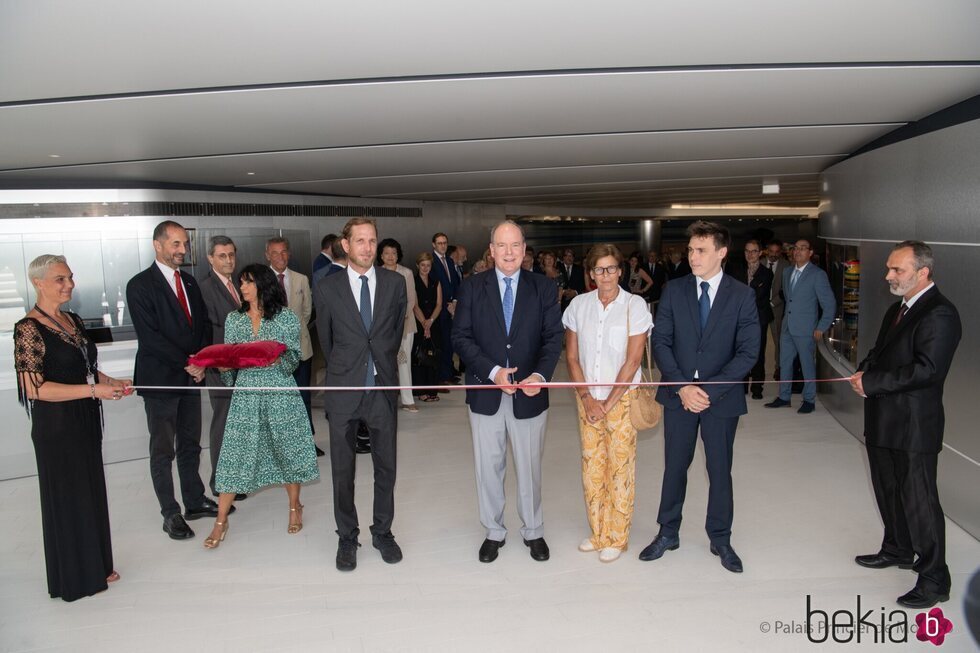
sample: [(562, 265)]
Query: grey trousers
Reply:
[(490, 435)]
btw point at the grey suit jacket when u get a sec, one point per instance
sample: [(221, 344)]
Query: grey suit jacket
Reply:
[(345, 341), (776, 296), (219, 303)]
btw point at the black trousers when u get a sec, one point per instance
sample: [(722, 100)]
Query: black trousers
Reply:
[(758, 373), (680, 438), (174, 422), (220, 402), (908, 500), (377, 411), (302, 375)]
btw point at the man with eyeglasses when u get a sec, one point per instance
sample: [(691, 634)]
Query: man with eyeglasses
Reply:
[(810, 307), (757, 277)]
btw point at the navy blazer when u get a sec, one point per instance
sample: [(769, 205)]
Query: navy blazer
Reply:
[(482, 343), (165, 339), (449, 284), (726, 351)]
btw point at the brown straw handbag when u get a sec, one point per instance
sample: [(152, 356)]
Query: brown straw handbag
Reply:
[(645, 412)]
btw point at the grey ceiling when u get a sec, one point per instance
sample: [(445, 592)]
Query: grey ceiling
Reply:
[(618, 105)]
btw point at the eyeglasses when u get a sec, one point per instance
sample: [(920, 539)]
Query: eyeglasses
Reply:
[(751, 251), (609, 269)]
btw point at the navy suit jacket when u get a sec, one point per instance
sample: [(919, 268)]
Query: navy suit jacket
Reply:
[(165, 339), (449, 284), (726, 350), (482, 343)]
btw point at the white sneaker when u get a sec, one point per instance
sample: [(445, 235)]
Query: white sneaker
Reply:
[(586, 545), (609, 554)]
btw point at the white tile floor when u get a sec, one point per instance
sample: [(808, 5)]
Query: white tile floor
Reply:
[(803, 508)]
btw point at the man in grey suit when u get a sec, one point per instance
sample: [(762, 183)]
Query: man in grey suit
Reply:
[(507, 331), (776, 264), (360, 318), (221, 297), (810, 308)]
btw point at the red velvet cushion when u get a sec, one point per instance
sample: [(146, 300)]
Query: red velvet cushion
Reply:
[(247, 354)]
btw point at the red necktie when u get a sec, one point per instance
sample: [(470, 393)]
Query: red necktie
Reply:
[(234, 295), (282, 284), (182, 298)]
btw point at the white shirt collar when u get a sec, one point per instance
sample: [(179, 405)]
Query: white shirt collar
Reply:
[(714, 281), (354, 275), (919, 294), (168, 272), (501, 275)]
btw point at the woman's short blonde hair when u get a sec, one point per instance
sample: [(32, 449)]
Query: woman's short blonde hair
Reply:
[(39, 266), (424, 256)]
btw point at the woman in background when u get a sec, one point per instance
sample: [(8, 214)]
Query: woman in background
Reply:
[(429, 295), (605, 333), (390, 257), (268, 440), (638, 281), (60, 385)]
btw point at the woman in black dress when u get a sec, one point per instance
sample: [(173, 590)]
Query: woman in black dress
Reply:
[(59, 384), (425, 351)]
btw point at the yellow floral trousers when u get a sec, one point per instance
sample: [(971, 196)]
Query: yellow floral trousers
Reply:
[(608, 471)]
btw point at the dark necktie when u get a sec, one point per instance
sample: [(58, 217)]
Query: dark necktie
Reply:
[(367, 320), (901, 313), (282, 284), (704, 304), (182, 298)]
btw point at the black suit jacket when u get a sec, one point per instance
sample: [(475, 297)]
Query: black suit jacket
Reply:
[(482, 342), (904, 375), (344, 340), (574, 280), (219, 303), (682, 269), (165, 339), (761, 284), (658, 274), (726, 350)]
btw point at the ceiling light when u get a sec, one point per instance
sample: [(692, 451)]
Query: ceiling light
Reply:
[(249, 173), (54, 156), (770, 187)]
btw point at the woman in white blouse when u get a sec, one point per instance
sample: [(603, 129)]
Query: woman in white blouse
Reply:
[(605, 332), (390, 257)]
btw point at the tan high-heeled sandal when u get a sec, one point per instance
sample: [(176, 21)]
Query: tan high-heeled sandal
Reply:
[(296, 528), (211, 542)]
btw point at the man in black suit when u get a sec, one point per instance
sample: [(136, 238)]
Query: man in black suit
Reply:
[(324, 258), (574, 277), (445, 271), (171, 324), (678, 266), (221, 297), (757, 277), (360, 319), (658, 274), (508, 332), (902, 380), (707, 330)]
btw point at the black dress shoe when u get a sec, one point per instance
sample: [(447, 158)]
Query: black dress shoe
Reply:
[(488, 551), (177, 528), (347, 554), (539, 549), (919, 599), (208, 508), (777, 403), (806, 407), (660, 545), (883, 560), (757, 395), (729, 559), (362, 446), (390, 551), (320, 453)]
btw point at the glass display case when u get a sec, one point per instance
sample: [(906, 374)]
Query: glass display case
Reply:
[(844, 270)]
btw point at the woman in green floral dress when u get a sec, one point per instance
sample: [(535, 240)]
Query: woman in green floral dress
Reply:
[(267, 438)]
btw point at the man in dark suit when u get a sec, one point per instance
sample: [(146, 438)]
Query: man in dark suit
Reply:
[(678, 266), (902, 381), (360, 319), (324, 258), (759, 279), (221, 297), (573, 276), (171, 323), (445, 271), (810, 309), (707, 330), (508, 332), (658, 274)]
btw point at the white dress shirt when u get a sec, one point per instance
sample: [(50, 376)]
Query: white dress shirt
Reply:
[(916, 296), (602, 335), (285, 279), (354, 278), (168, 274)]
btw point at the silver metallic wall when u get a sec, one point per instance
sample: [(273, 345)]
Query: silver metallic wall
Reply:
[(926, 188)]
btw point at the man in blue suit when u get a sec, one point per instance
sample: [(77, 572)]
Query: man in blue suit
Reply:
[(508, 332), (445, 270), (707, 330), (809, 309)]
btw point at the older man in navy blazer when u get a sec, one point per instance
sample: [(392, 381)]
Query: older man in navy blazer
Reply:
[(809, 310), (507, 332), (707, 330)]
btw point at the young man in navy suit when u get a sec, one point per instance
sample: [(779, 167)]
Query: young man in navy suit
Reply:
[(707, 330)]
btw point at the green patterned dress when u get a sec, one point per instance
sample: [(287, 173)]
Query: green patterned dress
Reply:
[(267, 436)]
